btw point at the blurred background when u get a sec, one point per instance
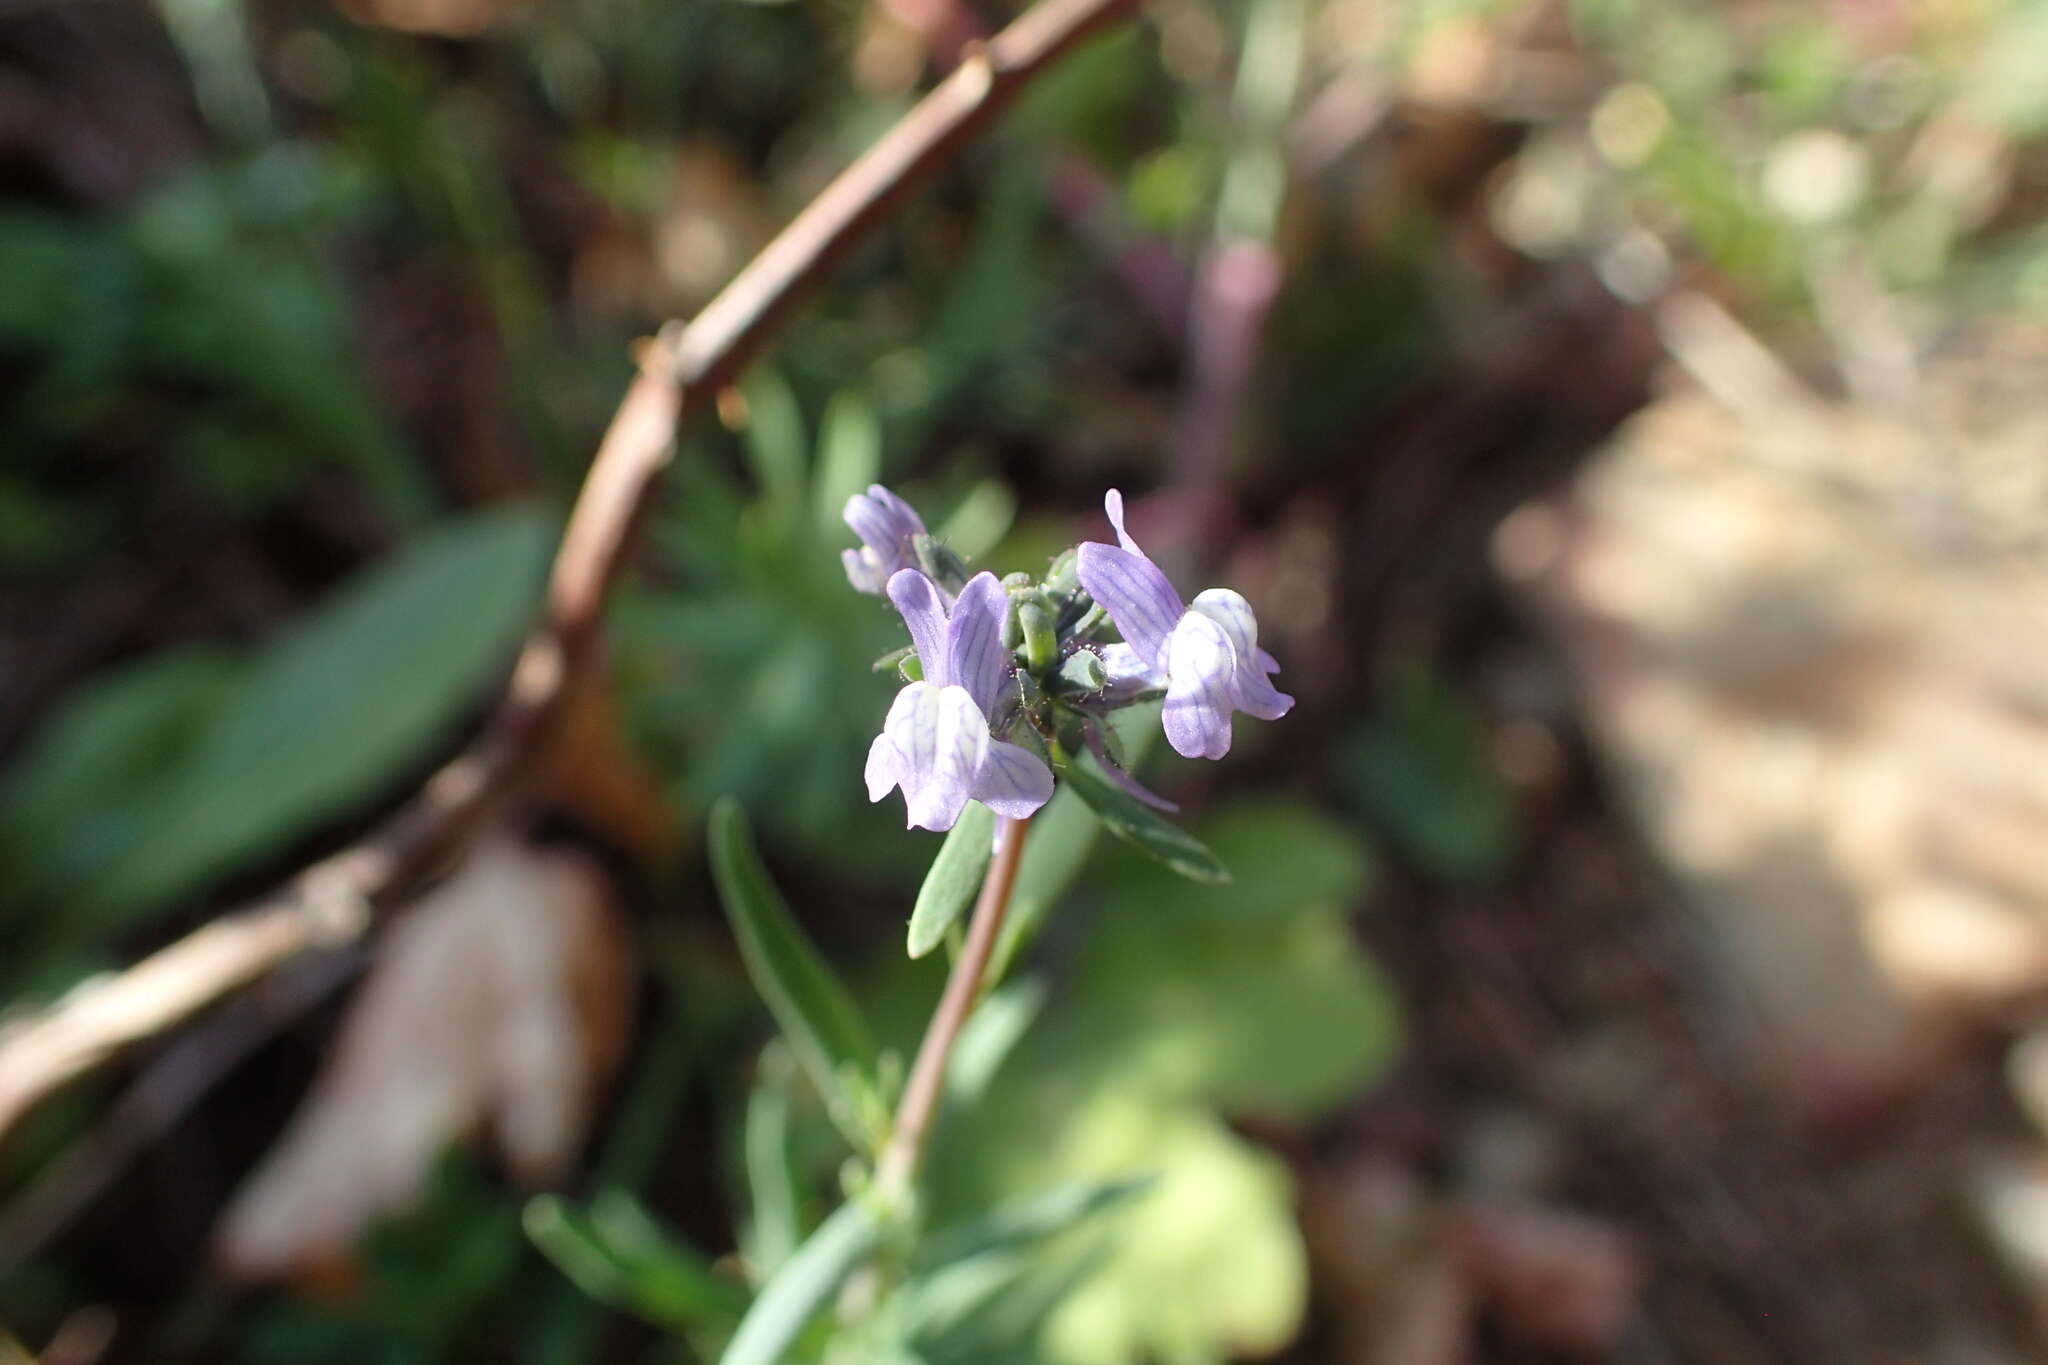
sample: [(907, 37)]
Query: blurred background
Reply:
[(1628, 417)]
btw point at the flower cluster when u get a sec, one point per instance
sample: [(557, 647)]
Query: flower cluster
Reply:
[(993, 662)]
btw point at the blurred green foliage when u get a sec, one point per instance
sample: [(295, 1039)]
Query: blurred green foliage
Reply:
[(204, 318), (195, 350), (1181, 1003), (1421, 771), (192, 763), (436, 1283)]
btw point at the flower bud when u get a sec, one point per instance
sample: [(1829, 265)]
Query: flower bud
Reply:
[(1063, 579), (1036, 620), (1083, 672)]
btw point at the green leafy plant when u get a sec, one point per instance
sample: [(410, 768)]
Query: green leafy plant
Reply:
[(1042, 1184)]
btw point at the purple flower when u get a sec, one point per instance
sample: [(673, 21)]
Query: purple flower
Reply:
[(1204, 653), (936, 744), (888, 528)]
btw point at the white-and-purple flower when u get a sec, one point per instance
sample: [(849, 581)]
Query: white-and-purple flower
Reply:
[(936, 744), (888, 528), (1205, 653)]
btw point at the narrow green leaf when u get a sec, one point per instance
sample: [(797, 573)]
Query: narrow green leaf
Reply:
[(991, 1034), (811, 1005), (619, 1255), (776, 444), (1141, 827), (1007, 1329), (849, 458), (981, 520), (949, 888), (793, 1297), (1022, 1222), (777, 1225)]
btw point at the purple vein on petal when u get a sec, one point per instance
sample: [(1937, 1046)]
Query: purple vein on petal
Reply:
[(917, 599), (974, 640), (1136, 594)]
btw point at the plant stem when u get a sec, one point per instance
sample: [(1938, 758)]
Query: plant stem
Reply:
[(901, 1155), (336, 901)]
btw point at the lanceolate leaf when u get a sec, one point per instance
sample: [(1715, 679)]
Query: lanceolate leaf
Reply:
[(619, 1255), (1143, 828), (772, 1186), (810, 1004), (337, 704), (949, 888), (1034, 1218), (793, 1297)]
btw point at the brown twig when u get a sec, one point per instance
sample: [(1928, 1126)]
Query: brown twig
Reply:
[(175, 1080), (897, 1165), (680, 375)]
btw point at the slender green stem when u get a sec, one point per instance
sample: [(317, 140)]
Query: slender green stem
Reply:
[(896, 1169)]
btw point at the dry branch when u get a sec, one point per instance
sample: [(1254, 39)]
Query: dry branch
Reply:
[(681, 372)]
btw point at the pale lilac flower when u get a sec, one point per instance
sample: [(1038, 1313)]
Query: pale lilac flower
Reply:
[(936, 744), (1204, 653), (888, 528)]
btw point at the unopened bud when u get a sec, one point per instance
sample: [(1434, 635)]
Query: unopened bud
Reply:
[(1083, 672), (1013, 633), (1036, 620), (1064, 577)]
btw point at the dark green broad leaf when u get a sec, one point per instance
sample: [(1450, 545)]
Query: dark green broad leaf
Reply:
[(955, 876), (616, 1253), (95, 776), (339, 703), (1141, 827), (793, 1296), (811, 1005)]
